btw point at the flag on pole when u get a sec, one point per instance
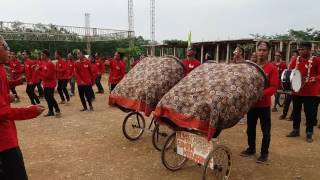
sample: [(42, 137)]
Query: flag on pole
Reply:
[(189, 40)]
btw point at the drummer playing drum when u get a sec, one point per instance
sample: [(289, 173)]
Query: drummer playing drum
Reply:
[(190, 62), (262, 109), (309, 67)]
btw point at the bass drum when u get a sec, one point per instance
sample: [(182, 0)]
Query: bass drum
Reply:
[(291, 80)]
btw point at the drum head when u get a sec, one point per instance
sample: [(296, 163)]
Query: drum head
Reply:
[(296, 80)]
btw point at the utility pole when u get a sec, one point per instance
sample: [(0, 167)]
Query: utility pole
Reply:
[(152, 25), (131, 23), (87, 32)]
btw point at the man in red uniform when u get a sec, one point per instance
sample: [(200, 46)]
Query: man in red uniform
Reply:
[(85, 80), (281, 66), (261, 110), (48, 75), (100, 68), (238, 55), (117, 69), (253, 57), (15, 73), (11, 160), (288, 99), (309, 67), (38, 85), (190, 62), (31, 77), (72, 80), (63, 77)]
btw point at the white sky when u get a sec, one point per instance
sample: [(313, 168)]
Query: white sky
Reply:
[(206, 19)]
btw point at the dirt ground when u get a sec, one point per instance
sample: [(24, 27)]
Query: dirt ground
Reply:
[(90, 145)]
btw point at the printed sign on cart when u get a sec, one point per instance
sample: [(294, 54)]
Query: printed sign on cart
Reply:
[(193, 146)]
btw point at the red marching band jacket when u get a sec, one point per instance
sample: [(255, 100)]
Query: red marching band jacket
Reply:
[(47, 73), (313, 64), (272, 74), (71, 65), (83, 72), (117, 71), (32, 77), (8, 132), (15, 69), (62, 69), (190, 65)]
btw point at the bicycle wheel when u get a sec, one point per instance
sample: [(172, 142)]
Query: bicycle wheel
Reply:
[(133, 126), (169, 157), (218, 164), (282, 98), (159, 135)]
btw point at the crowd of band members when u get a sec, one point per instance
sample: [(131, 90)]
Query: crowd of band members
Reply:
[(43, 74)]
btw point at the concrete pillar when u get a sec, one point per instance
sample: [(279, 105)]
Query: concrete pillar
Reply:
[(201, 54), (228, 53), (281, 45), (174, 51), (217, 53), (288, 52), (313, 45)]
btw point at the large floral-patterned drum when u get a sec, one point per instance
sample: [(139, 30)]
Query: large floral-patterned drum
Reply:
[(213, 96), (145, 84)]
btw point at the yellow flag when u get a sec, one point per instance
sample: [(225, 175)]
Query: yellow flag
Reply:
[(189, 40)]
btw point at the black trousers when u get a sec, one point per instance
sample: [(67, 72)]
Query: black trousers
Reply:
[(264, 114), (14, 92), (32, 96), (316, 120), (99, 85), (276, 99), (62, 90), (286, 105), (12, 165), (85, 95), (112, 86), (40, 89), (72, 85), (310, 110), (51, 101), (93, 96)]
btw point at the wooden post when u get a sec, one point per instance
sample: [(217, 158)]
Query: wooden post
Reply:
[(288, 52), (174, 51), (228, 53), (217, 53), (201, 54)]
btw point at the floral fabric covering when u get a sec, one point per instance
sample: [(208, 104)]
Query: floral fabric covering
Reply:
[(212, 96), (144, 85)]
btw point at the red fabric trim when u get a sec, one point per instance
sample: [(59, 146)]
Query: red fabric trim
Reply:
[(185, 121), (132, 104)]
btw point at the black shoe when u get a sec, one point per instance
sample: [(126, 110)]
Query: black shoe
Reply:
[(248, 152), (85, 109), (49, 114), (263, 158), (282, 117), (309, 138), (91, 108), (274, 109), (319, 126), (293, 133)]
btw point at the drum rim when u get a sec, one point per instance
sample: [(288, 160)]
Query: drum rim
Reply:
[(178, 60), (260, 70), (291, 77), (282, 74)]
